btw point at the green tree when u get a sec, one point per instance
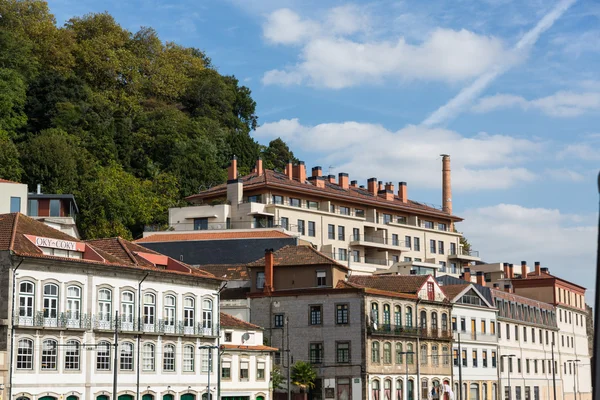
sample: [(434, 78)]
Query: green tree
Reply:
[(10, 167), (12, 101), (276, 377), (303, 375), (277, 155), (465, 244)]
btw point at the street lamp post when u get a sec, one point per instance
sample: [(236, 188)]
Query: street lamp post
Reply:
[(407, 353), (509, 356), (210, 348), (575, 364)]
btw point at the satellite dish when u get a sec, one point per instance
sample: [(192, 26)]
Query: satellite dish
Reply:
[(245, 337)]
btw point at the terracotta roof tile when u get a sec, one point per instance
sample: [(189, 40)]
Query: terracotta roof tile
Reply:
[(7, 181), (212, 235), (545, 275), (454, 290), (352, 194), (248, 348), (227, 271), (379, 292), (297, 255), (229, 321), (520, 299), (391, 283)]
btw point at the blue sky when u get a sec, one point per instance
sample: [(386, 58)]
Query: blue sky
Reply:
[(509, 89)]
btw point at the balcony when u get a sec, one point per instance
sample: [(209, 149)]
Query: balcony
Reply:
[(403, 331), (462, 254), (475, 336), (61, 321), (378, 242), (379, 262)]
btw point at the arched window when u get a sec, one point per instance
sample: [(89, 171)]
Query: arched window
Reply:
[(410, 359), (474, 392), (409, 319), (387, 353), (464, 391), (375, 313), (484, 393), (104, 307), (73, 306), (456, 390), (127, 310), (103, 356), (126, 361), (397, 316), (375, 352), (169, 358), (435, 355), (49, 354), (375, 389), (207, 307), (399, 355), (423, 320), (446, 355), (188, 358), (189, 314), (424, 388), (149, 311), (25, 354), (424, 358), (387, 389), (148, 357), (169, 315), (50, 304), (411, 390), (434, 321), (386, 315), (72, 355), (26, 301), (444, 322), (399, 389), (494, 391)]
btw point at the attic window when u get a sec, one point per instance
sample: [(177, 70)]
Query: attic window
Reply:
[(61, 253)]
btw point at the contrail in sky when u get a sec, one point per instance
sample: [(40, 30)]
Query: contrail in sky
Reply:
[(469, 93)]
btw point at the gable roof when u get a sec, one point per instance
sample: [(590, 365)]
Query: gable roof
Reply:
[(448, 280), (274, 179), (229, 321), (390, 283), (296, 256), (521, 299), (379, 292), (455, 292), (213, 235), (228, 271)]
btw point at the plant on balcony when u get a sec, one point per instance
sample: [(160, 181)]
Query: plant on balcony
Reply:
[(303, 376), (465, 245)]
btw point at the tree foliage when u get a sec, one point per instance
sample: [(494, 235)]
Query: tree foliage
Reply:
[(126, 122), (303, 375)]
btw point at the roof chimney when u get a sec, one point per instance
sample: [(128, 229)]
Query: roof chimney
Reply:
[(232, 173), (389, 191), (467, 274), (507, 288), (39, 188), (496, 286), (511, 271), (403, 192), (301, 172), (545, 271), (523, 269), (379, 185), (331, 178), (343, 180), (317, 171), (480, 278), (446, 185), (372, 185), (289, 170), (538, 268), (259, 166), (354, 183), (269, 261)]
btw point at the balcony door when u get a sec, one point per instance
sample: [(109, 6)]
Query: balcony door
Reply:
[(430, 291)]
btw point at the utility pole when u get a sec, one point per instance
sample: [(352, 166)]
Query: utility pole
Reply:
[(116, 356), (553, 368), (137, 385), (289, 367), (460, 397)]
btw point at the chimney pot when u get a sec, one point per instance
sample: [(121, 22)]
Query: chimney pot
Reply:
[(507, 288), (523, 270), (354, 183), (269, 261), (317, 171), (496, 286), (511, 271), (538, 268), (467, 274), (259, 166), (446, 184), (546, 270), (372, 185), (232, 173), (331, 178), (380, 185), (480, 278), (289, 170), (403, 192), (39, 188), (343, 180)]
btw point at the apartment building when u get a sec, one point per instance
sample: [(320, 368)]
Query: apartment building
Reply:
[(65, 300), (13, 197), (56, 210), (368, 228)]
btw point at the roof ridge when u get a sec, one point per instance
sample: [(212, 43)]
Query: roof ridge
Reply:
[(14, 231), (131, 256)]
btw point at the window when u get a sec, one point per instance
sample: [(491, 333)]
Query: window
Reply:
[(260, 370), (313, 205), (508, 331), (424, 356), (301, 226), (295, 202), (149, 309), (226, 370), (442, 266), (386, 315), (255, 199), (148, 357), (72, 355), (484, 362), (359, 212), (342, 254), (341, 314), (205, 360), (446, 356), (169, 313), (375, 352), (518, 393), (452, 248), (444, 322), (399, 355), (169, 358), (50, 302), (73, 303), (188, 312), (375, 389), (277, 199), (395, 240), (316, 353), (331, 232), (454, 325), (331, 208), (474, 355), (493, 328), (278, 321), (434, 321), (49, 354), (423, 320), (285, 223), (474, 391), (188, 358), (260, 280), (311, 228), (442, 227), (244, 370), (435, 358), (387, 353), (493, 359), (26, 299), (424, 388), (342, 351), (409, 322), (535, 366), (524, 334), (455, 357), (374, 313), (410, 357), (228, 337), (432, 246), (127, 306), (428, 224), (103, 356), (32, 208), (344, 210), (440, 247), (207, 317), (397, 316), (200, 224), (55, 208), (483, 326), (15, 204), (463, 325), (341, 233), (417, 244), (315, 315), (104, 304), (463, 356), (126, 361), (25, 354)]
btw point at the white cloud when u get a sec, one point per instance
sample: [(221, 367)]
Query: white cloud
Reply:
[(560, 104), (564, 174), (580, 151), (410, 154), (511, 233), (286, 27), (347, 19)]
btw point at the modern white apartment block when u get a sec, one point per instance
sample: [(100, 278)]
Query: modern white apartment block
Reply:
[(59, 315), (368, 228)]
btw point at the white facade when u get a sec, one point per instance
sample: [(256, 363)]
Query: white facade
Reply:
[(13, 197)]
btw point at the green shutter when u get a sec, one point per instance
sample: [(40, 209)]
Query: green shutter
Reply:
[(168, 397), (71, 397), (125, 397), (147, 397), (188, 396), (102, 397), (47, 398)]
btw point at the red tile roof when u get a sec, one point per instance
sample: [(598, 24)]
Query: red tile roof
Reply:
[(520, 299), (212, 235), (7, 181), (227, 271), (379, 292), (297, 255), (274, 179), (454, 290), (545, 275), (391, 283), (248, 348), (229, 321)]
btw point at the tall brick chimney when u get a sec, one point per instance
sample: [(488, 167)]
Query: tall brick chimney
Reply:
[(523, 269), (289, 170), (538, 268), (467, 274), (259, 166), (301, 171), (403, 192), (389, 191), (269, 261), (343, 180), (480, 278), (511, 271), (446, 185), (317, 171), (507, 288), (232, 173), (372, 186), (354, 183), (331, 178), (379, 185)]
